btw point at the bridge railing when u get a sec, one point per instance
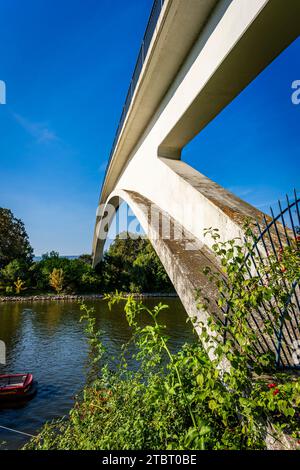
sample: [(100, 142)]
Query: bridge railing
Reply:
[(153, 19), (281, 231)]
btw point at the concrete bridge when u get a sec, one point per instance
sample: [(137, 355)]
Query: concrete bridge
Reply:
[(196, 57)]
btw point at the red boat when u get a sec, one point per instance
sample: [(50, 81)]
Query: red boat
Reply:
[(17, 386)]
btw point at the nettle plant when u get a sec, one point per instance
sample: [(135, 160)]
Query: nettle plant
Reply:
[(262, 394), (186, 400), (254, 296)]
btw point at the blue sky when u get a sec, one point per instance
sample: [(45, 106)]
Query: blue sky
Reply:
[(67, 66), (253, 146)]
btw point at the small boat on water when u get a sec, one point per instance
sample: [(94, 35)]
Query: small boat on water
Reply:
[(16, 387)]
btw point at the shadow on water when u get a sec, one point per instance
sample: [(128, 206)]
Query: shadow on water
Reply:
[(48, 340)]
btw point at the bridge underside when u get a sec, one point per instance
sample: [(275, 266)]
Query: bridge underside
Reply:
[(180, 90), (181, 254)]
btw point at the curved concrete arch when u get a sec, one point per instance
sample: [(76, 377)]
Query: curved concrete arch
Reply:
[(191, 199), (202, 55), (105, 215), (146, 158), (181, 254)]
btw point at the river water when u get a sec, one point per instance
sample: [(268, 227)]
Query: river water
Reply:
[(48, 340)]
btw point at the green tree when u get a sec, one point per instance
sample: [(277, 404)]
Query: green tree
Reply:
[(19, 286), (148, 271), (131, 264), (90, 280), (14, 242), (56, 280), (11, 273), (79, 277), (41, 270), (86, 258)]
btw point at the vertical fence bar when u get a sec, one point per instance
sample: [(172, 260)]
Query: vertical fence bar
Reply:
[(278, 227)]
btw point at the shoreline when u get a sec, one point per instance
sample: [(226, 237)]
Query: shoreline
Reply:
[(75, 297)]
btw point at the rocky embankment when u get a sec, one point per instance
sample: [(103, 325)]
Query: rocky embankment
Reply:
[(72, 298)]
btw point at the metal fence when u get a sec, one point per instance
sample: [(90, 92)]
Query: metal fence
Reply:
[(153, 19), (269, 241)]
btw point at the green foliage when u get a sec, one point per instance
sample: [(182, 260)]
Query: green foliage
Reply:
[(131, 265), (56, 279), (10, 274), (148, 271), (187, 400), (14, 242), (12, 271), (86, 258), (79, 276), (9, 290), (19, 286), (268, 290), (97, 350)]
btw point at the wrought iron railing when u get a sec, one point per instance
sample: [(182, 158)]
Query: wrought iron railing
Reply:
[(153, 19), (270, 238)]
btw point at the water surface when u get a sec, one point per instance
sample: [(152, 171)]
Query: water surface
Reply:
[(48, 340)]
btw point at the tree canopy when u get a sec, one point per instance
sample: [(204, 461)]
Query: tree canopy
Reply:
[(14, 241), (132, 265)]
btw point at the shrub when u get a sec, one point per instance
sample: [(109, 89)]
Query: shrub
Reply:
[(186, 400), (19, 286), (56, 280)]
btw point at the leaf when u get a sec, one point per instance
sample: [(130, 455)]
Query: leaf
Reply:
[(200, 380), (212, 404)]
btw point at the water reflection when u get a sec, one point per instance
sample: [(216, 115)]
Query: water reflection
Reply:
[(48, 340)]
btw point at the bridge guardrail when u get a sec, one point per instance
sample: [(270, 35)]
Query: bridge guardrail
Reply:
[(152, 22), (282, 230)]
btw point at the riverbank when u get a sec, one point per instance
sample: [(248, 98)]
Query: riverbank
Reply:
[(47, 339), (72, 298)]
